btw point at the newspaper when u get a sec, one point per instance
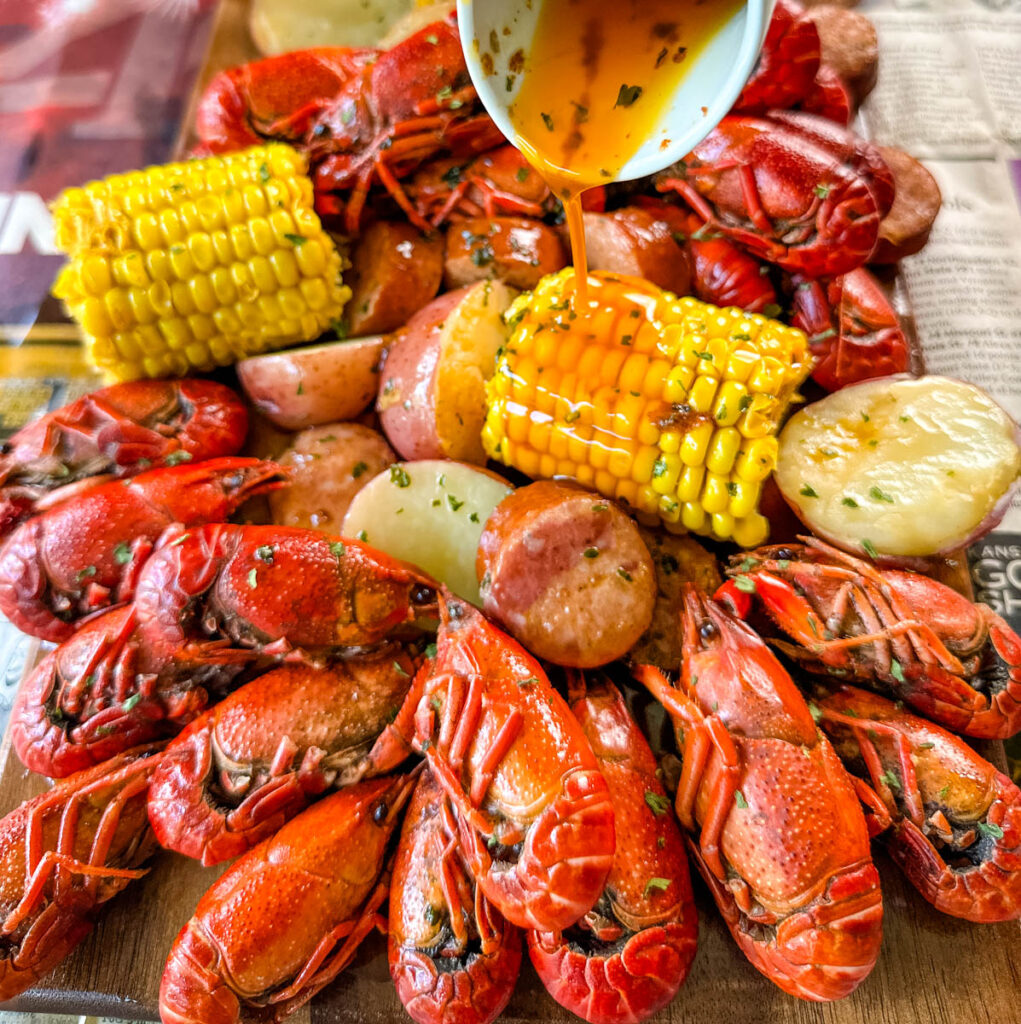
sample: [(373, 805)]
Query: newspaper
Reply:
[(948, 93)]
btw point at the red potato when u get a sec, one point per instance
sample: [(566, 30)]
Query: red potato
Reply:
[(567, 573), (849, 46), (395, 271), (916, 202), (303, 387), (632, 241), (329, 465), (432, 395), (516, 250)]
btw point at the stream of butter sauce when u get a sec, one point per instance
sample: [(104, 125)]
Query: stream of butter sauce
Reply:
[(595, 85)]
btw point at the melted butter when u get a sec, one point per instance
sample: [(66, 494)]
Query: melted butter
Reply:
[(596, 84)]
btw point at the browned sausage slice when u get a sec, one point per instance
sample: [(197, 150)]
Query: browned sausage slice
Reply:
[(632, 241), (916, 202), (394, 272), (567, 573), (849, 46), (516, 250)]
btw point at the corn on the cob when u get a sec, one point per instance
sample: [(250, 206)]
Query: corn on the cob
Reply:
[(196, 264), (668, 404)]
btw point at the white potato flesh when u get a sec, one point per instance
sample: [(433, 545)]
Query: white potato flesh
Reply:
[(430, 513), (899, 466), (281, 25)]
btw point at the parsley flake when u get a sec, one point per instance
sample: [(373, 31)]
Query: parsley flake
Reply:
[(656, 883), (657, 804)]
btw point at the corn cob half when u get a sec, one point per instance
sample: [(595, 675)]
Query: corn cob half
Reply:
[(668, 404), (196, 264)]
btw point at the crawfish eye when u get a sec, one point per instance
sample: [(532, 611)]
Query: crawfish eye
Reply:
[(708, 630), (234, 480), (784, 555), (423, 595), (379, 812)]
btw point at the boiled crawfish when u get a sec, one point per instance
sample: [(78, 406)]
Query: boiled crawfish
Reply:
[(454, 958), (852, 328), (220, 593), (534, 817), (288, 916), (787, 64), (948, 817), (629, 955), (793, 192), (64, 854), (260, 756), (956, 662), (119, 430), (84, 555), (101, 692), (774, 823), (362, 116)]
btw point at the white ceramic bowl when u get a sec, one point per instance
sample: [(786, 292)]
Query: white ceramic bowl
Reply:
[(714, 81)]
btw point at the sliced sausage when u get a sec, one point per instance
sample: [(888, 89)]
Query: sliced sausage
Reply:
[(516, 250), (917, 200), (394, 272), (849, 46), (632, 241), (567, 573), (329, 466)]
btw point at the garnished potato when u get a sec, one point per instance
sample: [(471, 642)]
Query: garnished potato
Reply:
[(304, 387), (430, 513), (432, 395), (900, 466), (329, 465)]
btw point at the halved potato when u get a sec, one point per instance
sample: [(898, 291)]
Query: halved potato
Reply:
[(430, 513), (432, 396), (900, 466), (304, 387)]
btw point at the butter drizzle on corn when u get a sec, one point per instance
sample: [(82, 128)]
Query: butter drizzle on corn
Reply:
[(668, 404), (196, 264)]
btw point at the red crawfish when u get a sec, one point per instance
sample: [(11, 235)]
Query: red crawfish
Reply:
[(119, 430), (829, 97), (956, 662), (64, 854), (788, 195), (101, 692), (363, 116), (787, 64), (534, 814), (948, 817), (628, 956), (852, 329), (288, 916), (269, 749), (773, 819), (85, 554), (222, 592), (454, 958)]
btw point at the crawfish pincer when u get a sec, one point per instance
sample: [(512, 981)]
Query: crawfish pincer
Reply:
[(774, 822), (948, 817), (627, 957)]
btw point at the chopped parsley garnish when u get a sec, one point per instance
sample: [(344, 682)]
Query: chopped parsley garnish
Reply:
[(657, 804), (399, 476), (627, 95)]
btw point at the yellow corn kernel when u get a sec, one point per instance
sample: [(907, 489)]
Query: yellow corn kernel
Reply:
[(751, 531), (689, 484), (723, 449), (721, 525), (703, 393), (665, 473), (693, 516), (758, 460), (731, 400), (715, 496), (744, 498), (695, 445)]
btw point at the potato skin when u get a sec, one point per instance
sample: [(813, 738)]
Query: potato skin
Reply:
[(916, 202), (632, 241), (567, 573), (407, 411), (303, 387), (517, 250), (329, 466), (395, 271)]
